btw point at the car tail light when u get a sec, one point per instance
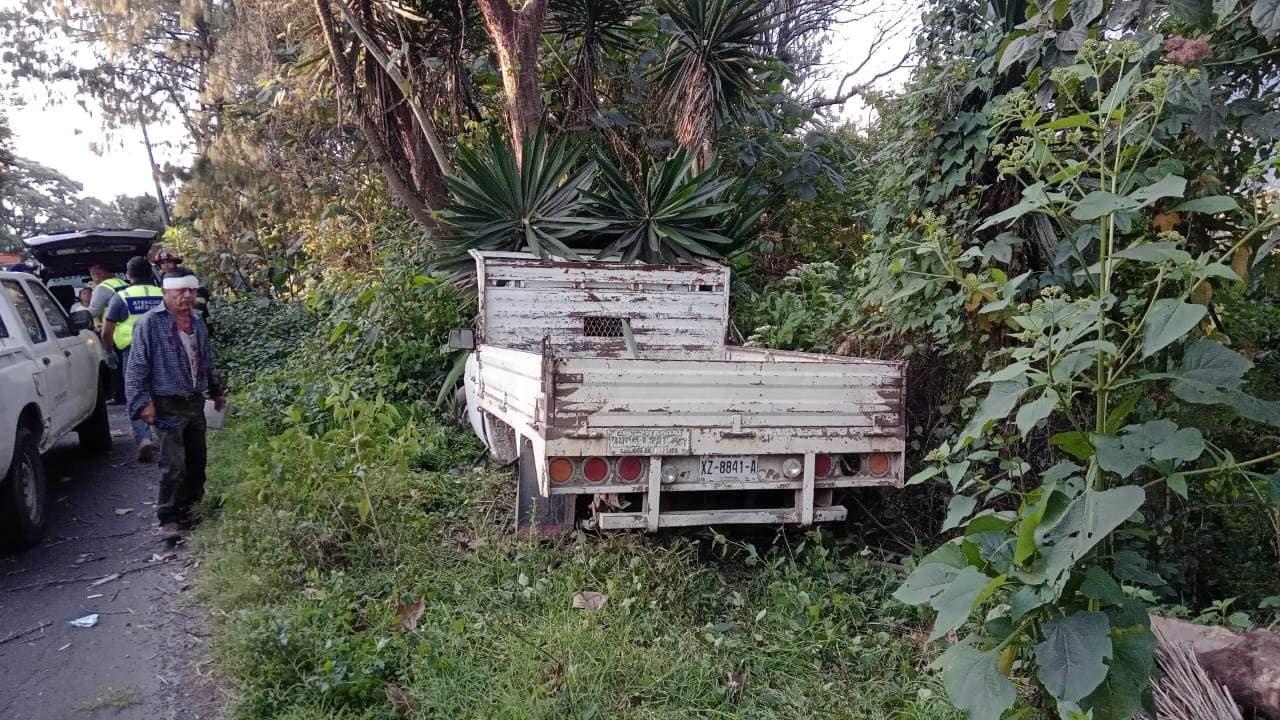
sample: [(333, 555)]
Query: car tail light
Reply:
[(560, 470), (596, 469), (792, 467), (630, 468), (822, 465), (878, 464)]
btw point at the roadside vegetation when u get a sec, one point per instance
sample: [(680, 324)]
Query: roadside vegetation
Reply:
[(362, 560), (1065, 218)]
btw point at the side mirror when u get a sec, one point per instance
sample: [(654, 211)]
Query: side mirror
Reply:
[(81, 320), (459, 339)]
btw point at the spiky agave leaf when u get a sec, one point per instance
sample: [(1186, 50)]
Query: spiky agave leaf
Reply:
[(671, 216), (535, 204)]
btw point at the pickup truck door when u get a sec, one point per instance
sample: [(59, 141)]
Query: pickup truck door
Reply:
[(82, 366), (51, 374)]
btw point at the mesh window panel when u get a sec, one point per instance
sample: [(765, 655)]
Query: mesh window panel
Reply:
[(602, 327)]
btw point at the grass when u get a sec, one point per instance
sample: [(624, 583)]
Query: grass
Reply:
[(696, 624)]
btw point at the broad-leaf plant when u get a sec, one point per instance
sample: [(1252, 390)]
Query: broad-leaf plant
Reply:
[(1039, 585)]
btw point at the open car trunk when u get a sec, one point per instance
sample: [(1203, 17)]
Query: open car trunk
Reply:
[(67, 256)]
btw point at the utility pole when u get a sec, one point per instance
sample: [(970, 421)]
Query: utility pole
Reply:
[(155, 172)]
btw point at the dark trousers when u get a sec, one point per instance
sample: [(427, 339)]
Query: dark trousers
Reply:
[(180, 432), (117, 378)]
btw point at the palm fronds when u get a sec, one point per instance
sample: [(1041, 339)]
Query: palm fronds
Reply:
[(711, 70)]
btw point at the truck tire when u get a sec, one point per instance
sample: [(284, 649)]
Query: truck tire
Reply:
[(95, 431), (537, 515), (23, 495)]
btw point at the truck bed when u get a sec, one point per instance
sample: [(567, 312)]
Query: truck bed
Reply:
[(767, 400)]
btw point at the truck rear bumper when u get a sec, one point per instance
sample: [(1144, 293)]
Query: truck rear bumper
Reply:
[(691, 518)]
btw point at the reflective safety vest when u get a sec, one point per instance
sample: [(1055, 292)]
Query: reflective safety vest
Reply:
[(138, 299), (114, 284)]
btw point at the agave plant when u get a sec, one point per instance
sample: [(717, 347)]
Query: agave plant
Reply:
[(671, 216), (712, 69), (499, 204)]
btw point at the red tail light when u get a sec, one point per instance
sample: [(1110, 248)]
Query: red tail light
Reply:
[(595, 469), (822, 465), (630, 468), (878, 464), (560, 470)]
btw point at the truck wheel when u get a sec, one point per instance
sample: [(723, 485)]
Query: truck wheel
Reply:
[(22, 495), (537, 515), (95, 431)]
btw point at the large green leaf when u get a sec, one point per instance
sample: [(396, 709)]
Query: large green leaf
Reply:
[(1211, 205), (1211, 374), (1087, 520), (974, 682), (1168, 321), (1030, 414), (958, 509), (1071, 658), (925, 583), (1001, 398), (1128, 674), (1154, 252), (1099, 203), (1167, 186), (955, 603)]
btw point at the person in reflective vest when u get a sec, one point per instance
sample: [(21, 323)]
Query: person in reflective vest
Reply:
[(122, 314)]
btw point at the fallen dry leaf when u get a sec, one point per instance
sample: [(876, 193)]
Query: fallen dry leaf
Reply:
[(399, 700), (407, 615), (589, 600), (1165, 222)]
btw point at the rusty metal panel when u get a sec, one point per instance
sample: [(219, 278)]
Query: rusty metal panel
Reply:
[(672, 311), (618, 392)]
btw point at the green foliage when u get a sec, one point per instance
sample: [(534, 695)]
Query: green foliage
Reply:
[(1041, 568), (672, 217), (313, 591), (711, 69), (534, 204), (807, 310), (254, 337)]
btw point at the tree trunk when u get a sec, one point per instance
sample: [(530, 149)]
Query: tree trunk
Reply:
[(401, 186), (1248, 664), (516, 35)]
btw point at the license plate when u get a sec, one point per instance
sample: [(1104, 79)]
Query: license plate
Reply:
[(729, 467), (643, 441)]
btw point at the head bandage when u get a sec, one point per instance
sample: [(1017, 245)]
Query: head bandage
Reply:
[(186, 282)]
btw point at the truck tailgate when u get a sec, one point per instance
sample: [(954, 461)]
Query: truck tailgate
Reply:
[(747, 389)]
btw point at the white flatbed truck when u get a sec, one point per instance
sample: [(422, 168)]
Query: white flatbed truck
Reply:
[(612, 386)]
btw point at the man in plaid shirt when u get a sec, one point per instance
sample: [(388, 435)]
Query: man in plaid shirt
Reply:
[(170, 372)]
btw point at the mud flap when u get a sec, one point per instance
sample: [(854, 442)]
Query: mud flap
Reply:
[(537, 515)]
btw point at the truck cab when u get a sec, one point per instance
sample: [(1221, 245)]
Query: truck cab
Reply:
[(613, 387)]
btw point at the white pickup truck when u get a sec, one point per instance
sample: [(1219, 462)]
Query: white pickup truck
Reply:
[(52, 381), (613, 387)]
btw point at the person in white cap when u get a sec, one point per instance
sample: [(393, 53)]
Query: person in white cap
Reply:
[(169, 375)]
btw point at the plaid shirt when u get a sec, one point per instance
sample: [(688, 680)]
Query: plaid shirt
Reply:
[(158, 364)]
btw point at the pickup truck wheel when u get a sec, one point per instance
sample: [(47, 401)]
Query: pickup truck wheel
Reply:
[(22, 495), (537, 515), (95, 431)]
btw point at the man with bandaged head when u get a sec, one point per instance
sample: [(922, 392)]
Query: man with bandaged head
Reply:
[(169, 375)]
